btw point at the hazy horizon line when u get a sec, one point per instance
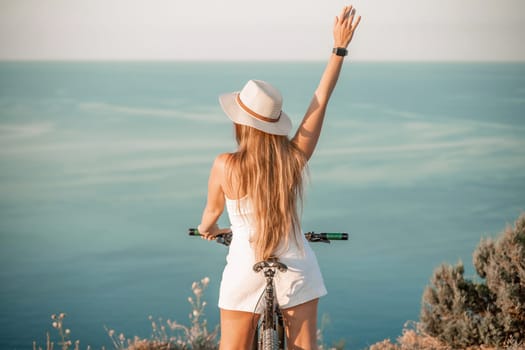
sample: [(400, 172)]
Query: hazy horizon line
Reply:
[(286, 60)]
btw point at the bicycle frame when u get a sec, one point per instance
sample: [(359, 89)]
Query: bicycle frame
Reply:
[(271, 325)]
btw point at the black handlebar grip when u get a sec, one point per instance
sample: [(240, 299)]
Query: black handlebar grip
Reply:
[(193, 232)]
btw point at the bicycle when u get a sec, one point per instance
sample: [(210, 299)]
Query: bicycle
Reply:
[(270, 334)]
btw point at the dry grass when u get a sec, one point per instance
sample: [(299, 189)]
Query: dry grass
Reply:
[(166, 335), (413, 338)]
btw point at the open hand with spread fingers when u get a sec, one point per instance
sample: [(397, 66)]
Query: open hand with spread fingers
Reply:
[(344, 26)]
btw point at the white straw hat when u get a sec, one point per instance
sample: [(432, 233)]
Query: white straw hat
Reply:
[(258, 105)]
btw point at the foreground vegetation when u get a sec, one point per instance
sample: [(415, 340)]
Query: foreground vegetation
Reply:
[(456, 313), (166, 335), (489, 313)]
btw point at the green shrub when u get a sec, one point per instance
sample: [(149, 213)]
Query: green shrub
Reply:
[(462, 312)]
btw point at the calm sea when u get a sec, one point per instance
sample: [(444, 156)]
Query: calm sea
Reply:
[(103, 167)]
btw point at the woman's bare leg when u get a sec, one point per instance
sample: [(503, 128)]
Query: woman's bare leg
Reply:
[(237, 329), (301, 326)]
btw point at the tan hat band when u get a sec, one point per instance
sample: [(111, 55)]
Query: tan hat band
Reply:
[(256, 115)]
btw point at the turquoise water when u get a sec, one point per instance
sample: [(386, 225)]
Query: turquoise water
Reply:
[(103, 166)]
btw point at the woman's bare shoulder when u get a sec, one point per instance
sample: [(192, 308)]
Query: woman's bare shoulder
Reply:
[(222, 160), (228, 178), (220, 164)]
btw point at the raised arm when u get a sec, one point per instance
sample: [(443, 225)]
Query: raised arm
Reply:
[(308, 132)]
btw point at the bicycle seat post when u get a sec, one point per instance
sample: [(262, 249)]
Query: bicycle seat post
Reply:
[(269, 268)]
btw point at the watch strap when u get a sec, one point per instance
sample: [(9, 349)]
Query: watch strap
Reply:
[(340, 51)]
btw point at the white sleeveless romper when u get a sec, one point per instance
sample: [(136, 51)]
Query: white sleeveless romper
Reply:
[(241, 287)]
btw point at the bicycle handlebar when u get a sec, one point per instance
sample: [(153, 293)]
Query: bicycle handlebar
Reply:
[(325, 237)]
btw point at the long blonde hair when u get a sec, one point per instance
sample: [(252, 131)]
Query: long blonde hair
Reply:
[(269, 170)]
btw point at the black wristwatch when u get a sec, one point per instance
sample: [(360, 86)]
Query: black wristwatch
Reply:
[(340, 51)]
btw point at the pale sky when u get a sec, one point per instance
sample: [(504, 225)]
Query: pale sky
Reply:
[(427, 30)]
